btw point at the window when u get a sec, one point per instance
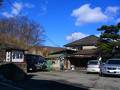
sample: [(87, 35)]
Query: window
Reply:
[(13, 55), (93, 62), (113, 62), (21, 55), (17, 55)]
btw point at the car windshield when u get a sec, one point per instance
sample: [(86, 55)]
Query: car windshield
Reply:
[(93, 62), (41, 61), (113, 62)]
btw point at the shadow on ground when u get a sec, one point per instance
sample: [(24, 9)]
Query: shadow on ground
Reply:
[(32, 84), (26, 82)]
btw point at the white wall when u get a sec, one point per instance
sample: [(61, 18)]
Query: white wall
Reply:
[(89, 47)]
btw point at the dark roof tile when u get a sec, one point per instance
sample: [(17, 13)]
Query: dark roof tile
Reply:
[(87, 41)]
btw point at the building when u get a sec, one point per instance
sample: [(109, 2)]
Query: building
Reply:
[(86, 50), (53, 60), (60, 57), (14, 55), (11, 53)]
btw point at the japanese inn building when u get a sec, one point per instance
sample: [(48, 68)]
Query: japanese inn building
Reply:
[(85, 50)]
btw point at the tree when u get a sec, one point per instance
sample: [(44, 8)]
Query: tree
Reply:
[(109, 42), (20, 31)]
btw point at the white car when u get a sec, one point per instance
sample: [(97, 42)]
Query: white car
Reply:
[(111, 67), (93, 66)]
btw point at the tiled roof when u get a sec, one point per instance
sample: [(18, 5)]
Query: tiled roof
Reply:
[(90, 40)]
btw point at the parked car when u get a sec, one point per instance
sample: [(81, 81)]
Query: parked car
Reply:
[(93, 66), (35, 62), (111, 67), (41, 65)]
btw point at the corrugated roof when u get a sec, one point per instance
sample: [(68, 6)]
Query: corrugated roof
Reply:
[(87, 41)]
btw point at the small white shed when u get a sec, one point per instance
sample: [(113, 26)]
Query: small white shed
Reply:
[(14, 55)]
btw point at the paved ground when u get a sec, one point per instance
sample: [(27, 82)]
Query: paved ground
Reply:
[(69, 80), (48, 81), (81, 79)]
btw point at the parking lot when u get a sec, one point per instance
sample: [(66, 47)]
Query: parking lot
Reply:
[(79, 80)]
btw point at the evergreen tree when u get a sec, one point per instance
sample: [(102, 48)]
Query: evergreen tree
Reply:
[(109, 42)]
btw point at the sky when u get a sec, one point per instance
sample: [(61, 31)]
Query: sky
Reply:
[(65, 21)]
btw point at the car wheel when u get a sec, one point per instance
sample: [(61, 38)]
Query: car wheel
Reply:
[(28, 70), (87, 72)]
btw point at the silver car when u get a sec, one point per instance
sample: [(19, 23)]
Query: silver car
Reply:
[(93, 66), (111, 67)]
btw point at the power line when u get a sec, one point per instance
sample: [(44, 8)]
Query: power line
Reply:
[(52, 41)]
